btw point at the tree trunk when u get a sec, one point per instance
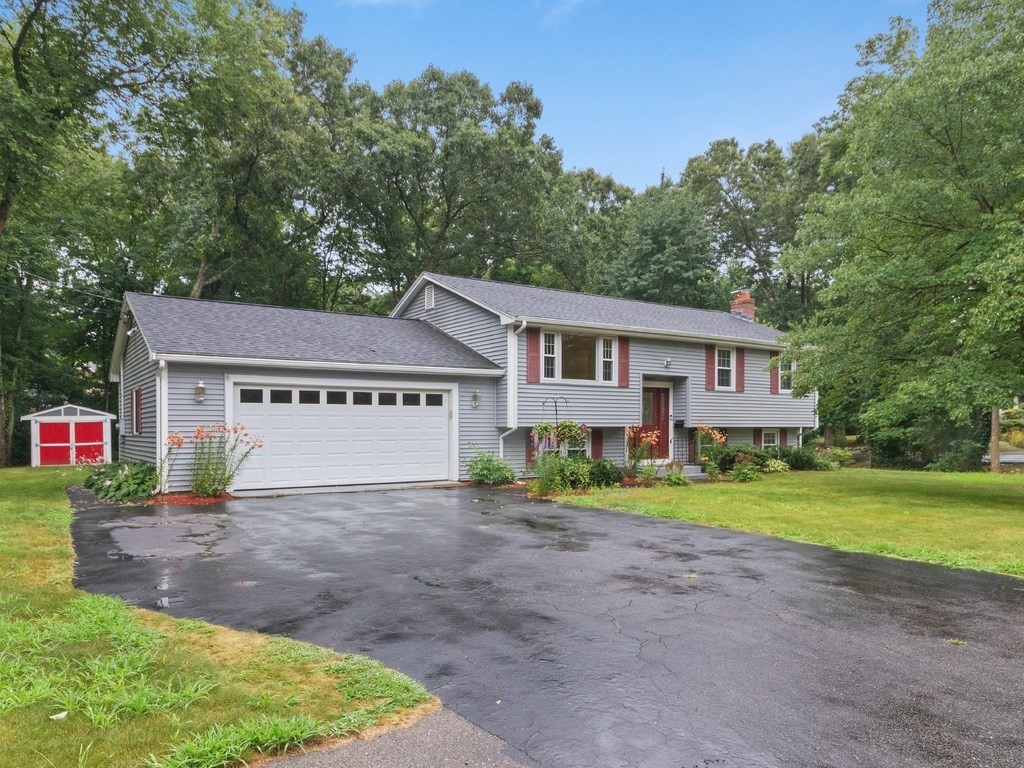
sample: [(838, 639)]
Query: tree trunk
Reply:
[(829, 436), (993, 447)]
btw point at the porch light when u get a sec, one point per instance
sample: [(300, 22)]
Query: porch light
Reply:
[(200, 391), (668, 362), (475, 399)]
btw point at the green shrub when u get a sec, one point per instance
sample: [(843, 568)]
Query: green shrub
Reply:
[(745, 472), (962, 456), (127, 480), (605, 473), (648, 473), (774, 465), (489, 469), (799, 458), (840, 456), (676, 477), (548, 478), (574, 473)]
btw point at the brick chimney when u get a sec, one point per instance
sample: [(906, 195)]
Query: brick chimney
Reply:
[(743, 304)]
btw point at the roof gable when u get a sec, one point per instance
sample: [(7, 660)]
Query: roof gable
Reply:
[(218, 329), (525, 301)]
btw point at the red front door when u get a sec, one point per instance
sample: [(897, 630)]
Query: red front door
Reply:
[(655, 417)]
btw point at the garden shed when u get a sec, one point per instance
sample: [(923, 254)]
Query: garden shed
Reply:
[(70, 434)]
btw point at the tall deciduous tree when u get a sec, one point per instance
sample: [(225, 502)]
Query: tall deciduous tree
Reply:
[(926, 307), (755, 198), (447, 176), (665, 253)]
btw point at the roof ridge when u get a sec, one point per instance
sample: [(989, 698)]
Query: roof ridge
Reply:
[(597, 296), (267, 306)]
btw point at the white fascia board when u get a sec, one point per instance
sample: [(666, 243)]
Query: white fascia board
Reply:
[(647, 333), (414, 288), (120, 344), (316, 365)]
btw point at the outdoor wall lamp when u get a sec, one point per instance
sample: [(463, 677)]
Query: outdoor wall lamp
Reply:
[(668, 362), (475, 399), (200, 391)]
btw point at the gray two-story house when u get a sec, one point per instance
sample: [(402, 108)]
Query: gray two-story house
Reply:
[(460, 365)]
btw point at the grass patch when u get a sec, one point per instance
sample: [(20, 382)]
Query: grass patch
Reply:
[(86, 680), (968, 520)]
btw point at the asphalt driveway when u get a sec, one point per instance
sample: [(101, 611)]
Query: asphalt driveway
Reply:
[(593, 638)]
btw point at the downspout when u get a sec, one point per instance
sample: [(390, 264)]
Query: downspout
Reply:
[(513, 380)]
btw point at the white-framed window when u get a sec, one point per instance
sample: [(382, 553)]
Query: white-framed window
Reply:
[(769, 438), (787, 368), (607, 360), (550, 356), (725, 372), (428, 297), (578, 357)]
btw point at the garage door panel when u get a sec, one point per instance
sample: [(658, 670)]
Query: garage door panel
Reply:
[(308, 444)]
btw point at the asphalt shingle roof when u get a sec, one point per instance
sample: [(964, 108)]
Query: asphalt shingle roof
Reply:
[(174, 325), (568, 306)]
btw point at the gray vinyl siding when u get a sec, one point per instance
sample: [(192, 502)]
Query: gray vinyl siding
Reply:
[(139, 372), (477, 328), (755, 406), (599, 405), (476, 425), (604, 405), (615, 445)]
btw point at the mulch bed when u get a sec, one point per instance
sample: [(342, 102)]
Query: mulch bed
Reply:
[(188, 499)]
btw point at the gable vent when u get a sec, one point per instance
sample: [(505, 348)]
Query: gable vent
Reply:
[(428, 297)]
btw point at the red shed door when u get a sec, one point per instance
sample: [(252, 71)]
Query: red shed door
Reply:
[(54, 443), (88, 442)]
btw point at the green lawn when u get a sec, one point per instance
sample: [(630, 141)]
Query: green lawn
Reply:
[(130, 687), (970, 520)]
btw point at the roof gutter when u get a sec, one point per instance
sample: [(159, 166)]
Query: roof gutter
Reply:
[(648, 333), (322, 365)]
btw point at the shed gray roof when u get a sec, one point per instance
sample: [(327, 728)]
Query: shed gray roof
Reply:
[(569, 306), (174, 325)]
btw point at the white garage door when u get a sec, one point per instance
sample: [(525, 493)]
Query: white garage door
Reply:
[(315, 436)]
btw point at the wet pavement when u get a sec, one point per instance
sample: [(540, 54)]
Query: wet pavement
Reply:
[(591, 638)]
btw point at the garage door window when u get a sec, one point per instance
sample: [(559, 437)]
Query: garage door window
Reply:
[(337, 398), (435, 399), (309, 397), (410, 398), (362, 398), (387, 398), (250, 396), (280, 396)]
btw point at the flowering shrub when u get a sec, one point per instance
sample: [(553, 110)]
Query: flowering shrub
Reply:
[(643, 446), (219, 450)]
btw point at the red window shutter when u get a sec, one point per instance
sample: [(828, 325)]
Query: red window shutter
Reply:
[(596, 444), (694, 458), (709, 367), (782, 437), (741, 370), (532, 356), (530, 455), (623, 361), (757, 438), (773, 374)]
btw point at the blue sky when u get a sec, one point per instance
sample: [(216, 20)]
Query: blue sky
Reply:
[(629, 88)]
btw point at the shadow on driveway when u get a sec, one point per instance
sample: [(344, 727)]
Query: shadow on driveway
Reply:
[(591, 638)]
